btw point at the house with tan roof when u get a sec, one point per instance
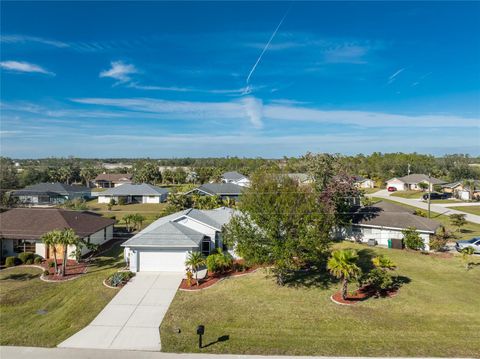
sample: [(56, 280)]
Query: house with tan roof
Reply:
[(111, 180)]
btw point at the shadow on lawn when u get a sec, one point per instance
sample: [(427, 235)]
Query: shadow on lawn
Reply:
[(20, 276), (223, 338)]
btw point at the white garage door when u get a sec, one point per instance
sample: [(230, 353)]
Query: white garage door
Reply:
[(164, 260)]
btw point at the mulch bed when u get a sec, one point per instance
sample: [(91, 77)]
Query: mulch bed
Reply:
[(74, 269), (360, 295), (213, 278)]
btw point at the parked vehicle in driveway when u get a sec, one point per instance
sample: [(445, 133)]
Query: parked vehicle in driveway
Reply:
[(474, 243), (391, 189), (436, 195)]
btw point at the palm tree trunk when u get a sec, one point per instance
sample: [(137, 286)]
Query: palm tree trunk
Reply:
[(64, 262), (196, 277), (344, 289), (55, 259)]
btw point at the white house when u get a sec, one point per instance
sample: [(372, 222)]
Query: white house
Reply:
[(134, 193), (236, 178), (362, 182), (411, 182), (21, 229), (385, 221), (164, 245)]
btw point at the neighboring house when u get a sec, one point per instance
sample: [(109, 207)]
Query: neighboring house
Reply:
[(460, 191), (362, 182), (111, 180), (21, 229), (164, 244), (134, 193), (115, 166), (384, 221), (411, 182), (236, 178), (222, 190), (50, 193), (301, 178)]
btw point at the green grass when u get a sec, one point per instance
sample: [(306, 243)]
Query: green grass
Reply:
[(468, 209), (408, 194), (435, 314), (468, 231), (70, 305), (151, 211), (435, 201), (370, 190)]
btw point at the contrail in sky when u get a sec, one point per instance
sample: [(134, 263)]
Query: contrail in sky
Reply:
[(267, 45)]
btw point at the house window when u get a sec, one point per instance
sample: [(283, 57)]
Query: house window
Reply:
[(22, 245), (105, 234), (206, 246)]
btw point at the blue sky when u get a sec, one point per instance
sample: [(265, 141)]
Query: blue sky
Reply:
[(160, 79)]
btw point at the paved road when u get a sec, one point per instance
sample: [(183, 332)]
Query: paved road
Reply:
[(437, 208), (132, 319), (55, 353)]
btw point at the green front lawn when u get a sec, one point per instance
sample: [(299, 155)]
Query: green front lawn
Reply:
[(408, 194), (69, 306), (435, 314), (468, 231), (370, 190), (469, 209)]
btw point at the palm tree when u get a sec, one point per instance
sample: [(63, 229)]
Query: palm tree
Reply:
[(195, 260), (51, 239), (67, 237), (384, 263), (342, 264)]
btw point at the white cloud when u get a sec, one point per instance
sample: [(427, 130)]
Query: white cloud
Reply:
[(119, 71), (254, 108), (21, 66), (25, 38)]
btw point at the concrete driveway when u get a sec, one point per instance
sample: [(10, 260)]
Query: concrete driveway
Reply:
[(132, 319)]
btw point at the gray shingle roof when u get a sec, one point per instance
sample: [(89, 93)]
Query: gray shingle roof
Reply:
[(419, 177), (128, 189), (62, 189), (221, 189), (233, 176), (166, 232), (386, 214)]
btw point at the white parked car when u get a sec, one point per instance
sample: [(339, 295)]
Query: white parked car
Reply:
[(474, 243)]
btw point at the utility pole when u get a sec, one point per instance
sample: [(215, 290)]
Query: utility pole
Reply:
[(408, 170), (429, 193)]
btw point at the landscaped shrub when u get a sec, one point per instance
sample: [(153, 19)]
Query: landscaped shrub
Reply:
[(37, 260), (29, 261), (412, 239), (122, 201), (46, 272), (239, 267), (379, 281), (420, 213), (437, 244), (11, 261), (51, 264), (119, 278), (26, 256), (219, 262)]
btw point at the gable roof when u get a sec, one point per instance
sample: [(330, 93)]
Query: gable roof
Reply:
[(114, 177), (418, 177), (459, 183), (166, 232), (386, 214), (233, 176), (32, 223), (55, 188), (130, 189), (213, 189)]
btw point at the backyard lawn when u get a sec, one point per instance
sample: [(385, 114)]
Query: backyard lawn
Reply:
[(37, 313), (370, 190), (408, 194), (151, 211), (468, 209), (435, 314)]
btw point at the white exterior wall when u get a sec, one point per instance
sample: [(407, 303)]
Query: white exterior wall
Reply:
[(151, 199), (202, 228), (103, 199), (157, 259), (367, 184), (381, 235), (99, 238), (399, 185)]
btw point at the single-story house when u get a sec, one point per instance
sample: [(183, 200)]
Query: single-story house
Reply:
[(460, 191), (50, 193), (384, 221), (411, 182), (134, 193), (21, 229), (236, 178), (164, 245), (222, 190), (110, 180), (362, 182), (301, 178)]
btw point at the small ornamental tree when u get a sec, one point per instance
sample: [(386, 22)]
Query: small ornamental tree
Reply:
[(458, 220), (423, 186), (466, 255), (343, 265), (412, 239), (195, 261)]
